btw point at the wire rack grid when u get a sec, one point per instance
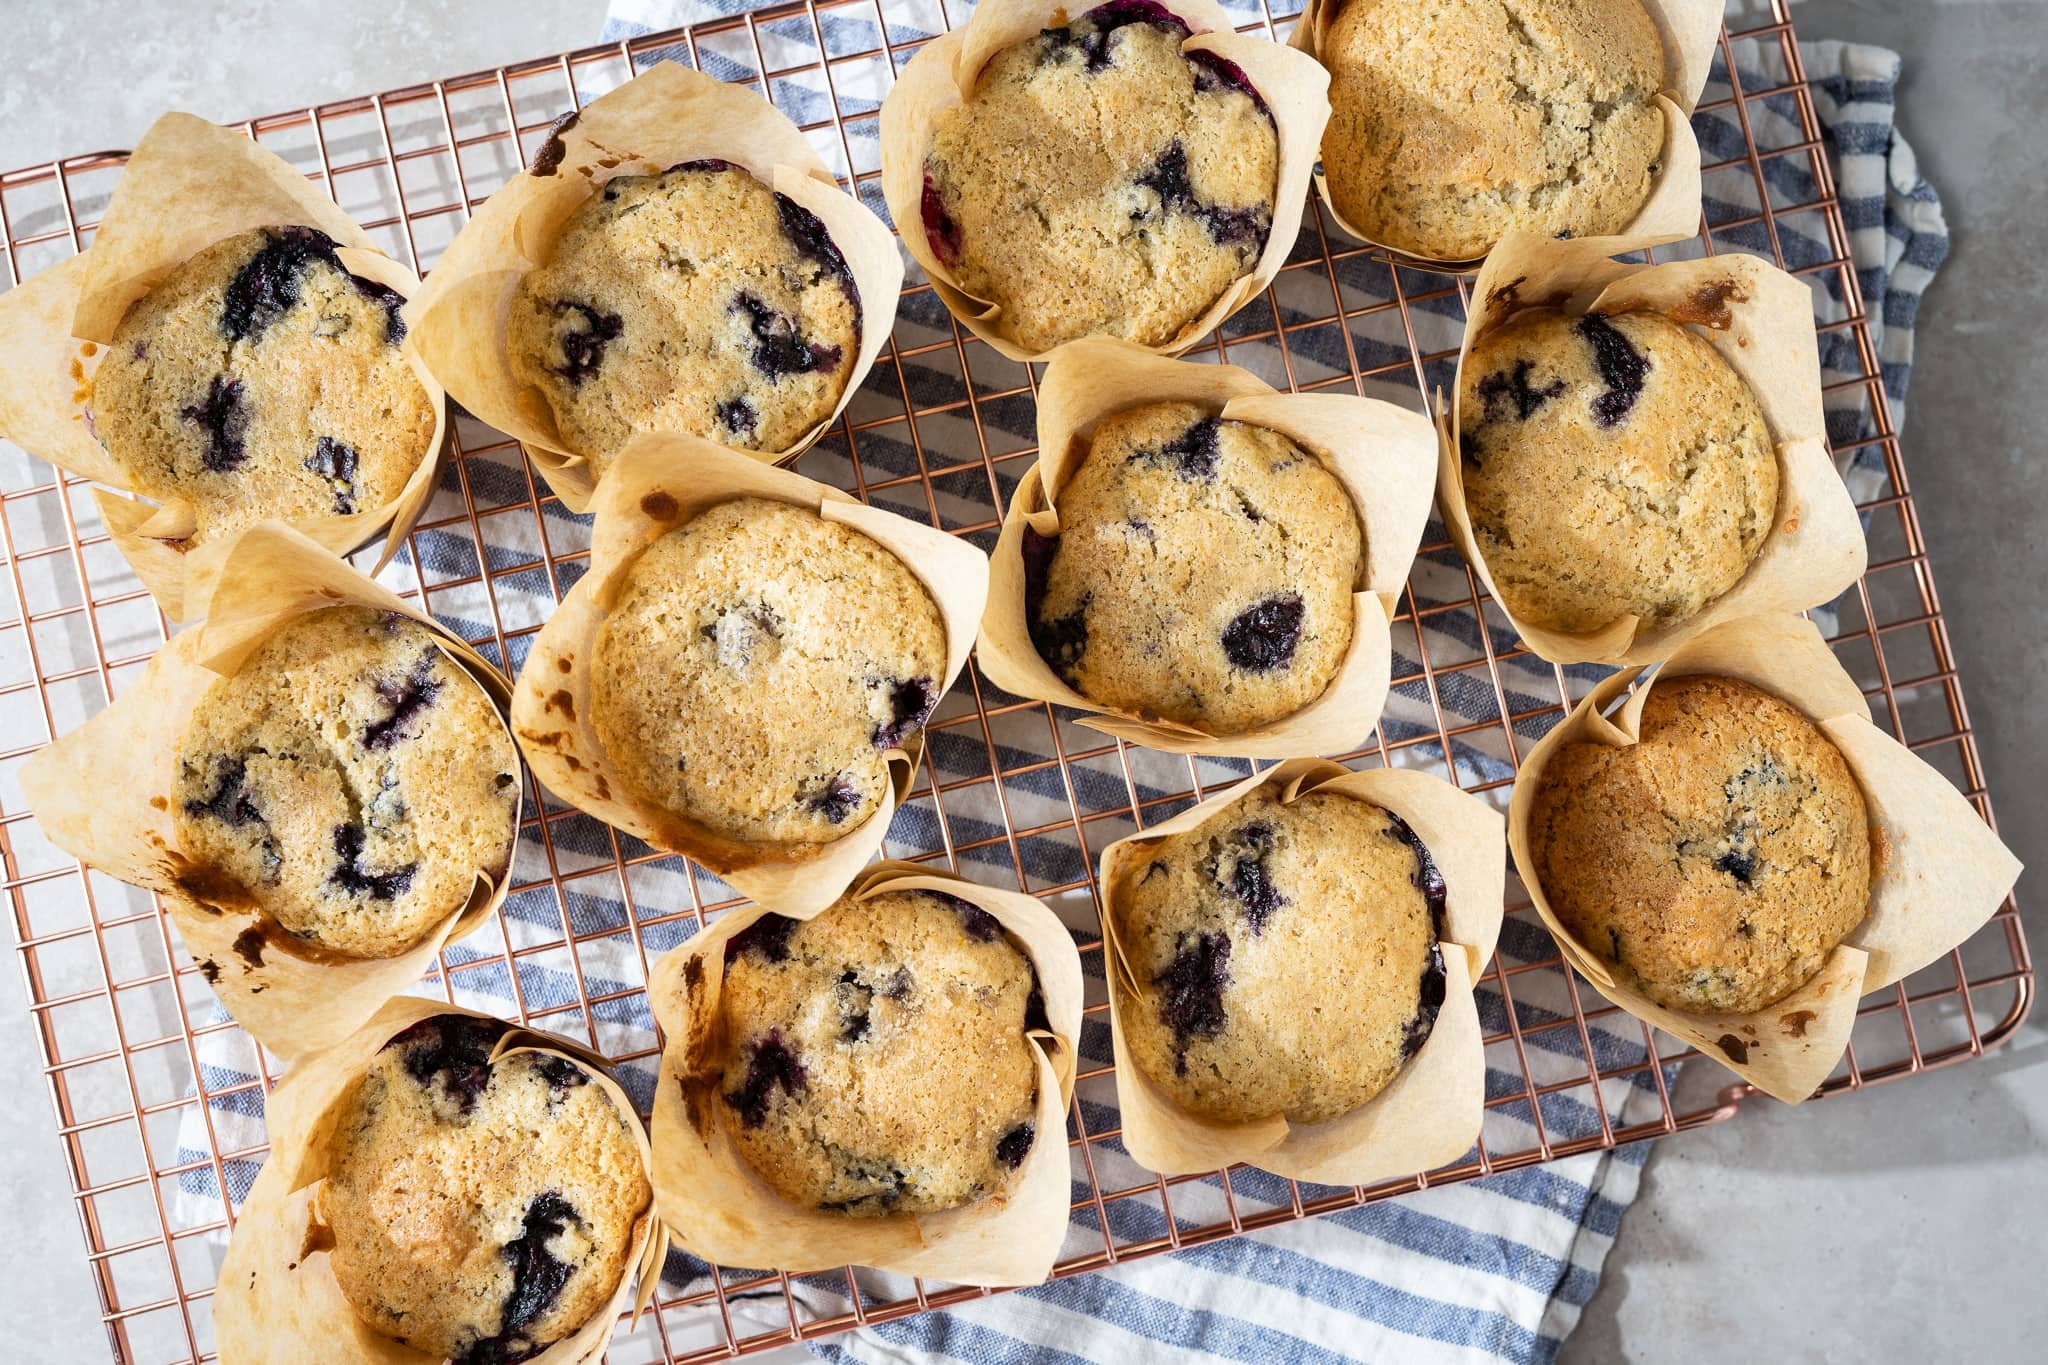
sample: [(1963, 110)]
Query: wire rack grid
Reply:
[(158, 1097)]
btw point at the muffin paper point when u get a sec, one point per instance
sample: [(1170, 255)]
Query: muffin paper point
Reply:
[(1760, 320), (1937, 870), (1689, 31), (105, 794), (278, 1300), (943, 74), (188, 185), (1383, 455), (717, 1207), (659, 482), (663, 117), (1430, 1113)]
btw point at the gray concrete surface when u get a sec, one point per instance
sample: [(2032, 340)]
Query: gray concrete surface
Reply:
[(1905, 1223)]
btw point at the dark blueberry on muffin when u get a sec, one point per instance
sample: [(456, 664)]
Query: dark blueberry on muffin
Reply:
[(336, 463), (779, 347), (583, 339), (910, 703), (771, 1066), (1264, 635), (407, 697), (221, 415), (1622, 369)]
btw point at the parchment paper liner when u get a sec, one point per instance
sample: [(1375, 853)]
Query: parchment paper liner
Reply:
[(660, 481), (1760, 320), (278, 1300), (1383, 455), (1690, 30), (944, 71), (105, 794), (188, 185), (1937, 870), (719, 1209), (1431, 1112), (666, 115)]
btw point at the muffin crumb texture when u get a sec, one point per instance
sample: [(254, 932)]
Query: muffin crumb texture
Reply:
[(1286, 957), (261, 379), (351, 780), (1455, 121), (1716, 863), (480, 1211), (877, 1061), (1099, 182), (1203, 572), (1613, 465), (699, 301), (758, 667)]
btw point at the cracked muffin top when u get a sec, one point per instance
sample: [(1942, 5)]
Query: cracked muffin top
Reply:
[(1613, 464), (1717, 862), (350, 781), (1285, 957), (876, 1060), (698, 301), (261, 379), (759, 664), (480, 1211), (1098, 182), (1454, 121), (1203, 572)]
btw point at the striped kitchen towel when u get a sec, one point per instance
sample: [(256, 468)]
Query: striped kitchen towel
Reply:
[(1493, 1269)]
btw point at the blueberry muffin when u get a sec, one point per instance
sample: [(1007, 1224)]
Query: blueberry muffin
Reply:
[(876, 1061), (1286, 957), (1453, 122), (1203, 572), (261, 379), (480, 1210), (1613, 464), (348, 782), (1098, 182), (1715, 864), (759, 665), (698, 301)]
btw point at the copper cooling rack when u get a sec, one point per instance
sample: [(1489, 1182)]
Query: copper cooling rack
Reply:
[(157, 1118)]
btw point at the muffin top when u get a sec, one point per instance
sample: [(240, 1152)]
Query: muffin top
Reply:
[(1203, 572), (1613, 464), (1453, 122), (759, 664), (480, 1211), (261, 379), (350, 781), (1098, 182), (1286, 957), (1717, 862), (698, 301), (876, 1060)]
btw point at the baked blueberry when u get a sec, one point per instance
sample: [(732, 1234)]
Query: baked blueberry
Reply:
[(1622, 369), (225, 421), (336, 463), (770, 1067), (581, 337), (407, 697), (910, 702), (779, 347), (1505, 388)]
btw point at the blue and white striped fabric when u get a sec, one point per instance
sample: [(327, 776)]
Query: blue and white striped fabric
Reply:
[(1494, 1269)]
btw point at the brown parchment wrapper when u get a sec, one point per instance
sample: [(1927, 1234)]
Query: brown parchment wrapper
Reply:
[(719, 1209), (1760, 320), (944, 72), (659, 482), (187, 185), (665, 116), (105, 794), (1385, 456), (278, 1300), (1431, 1112), (1937, 870), (1689, 30)]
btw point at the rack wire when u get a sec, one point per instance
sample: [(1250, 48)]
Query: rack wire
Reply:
[(158, 1097)]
